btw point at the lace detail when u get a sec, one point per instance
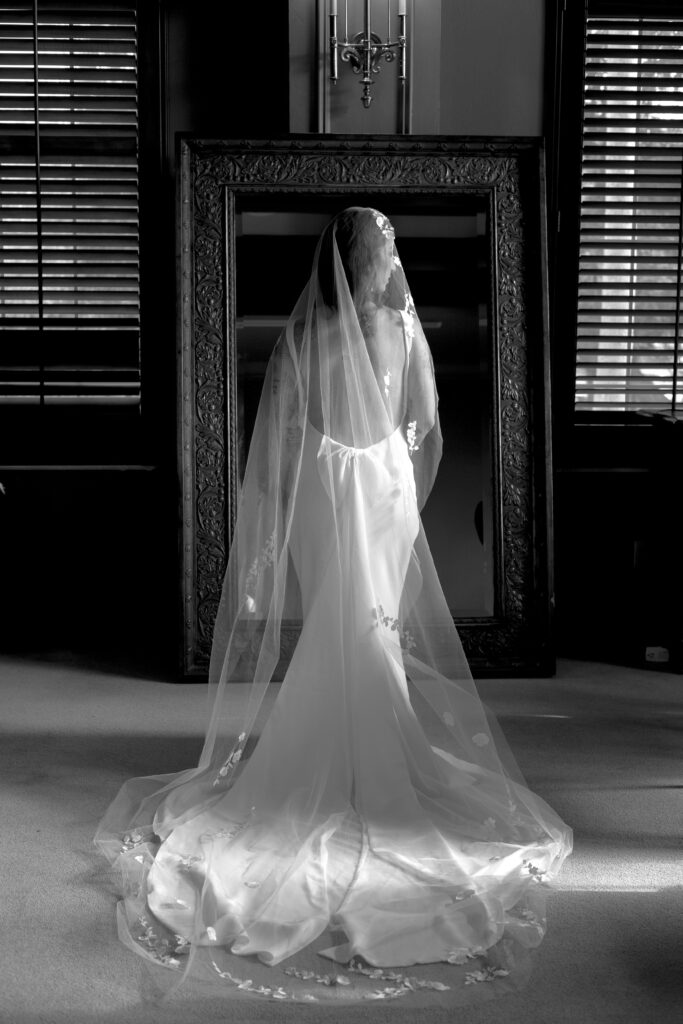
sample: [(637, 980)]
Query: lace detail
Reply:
[(137, 837), (165, 951), (411, 434), (247, 985), (227, 833), (234, 757), (405, 637), (461, 956), (408, 315), (265, 558), (384, 224), (536, 873), (489, 973), (401, 984)]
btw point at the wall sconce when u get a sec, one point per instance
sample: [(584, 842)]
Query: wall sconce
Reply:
[(365, 50)]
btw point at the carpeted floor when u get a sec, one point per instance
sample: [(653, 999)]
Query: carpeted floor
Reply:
[(602, 744)]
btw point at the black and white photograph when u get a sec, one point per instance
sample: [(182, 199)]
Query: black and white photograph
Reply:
[(341, 511)]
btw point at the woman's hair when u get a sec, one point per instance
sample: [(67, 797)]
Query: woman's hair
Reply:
[(361, 235)]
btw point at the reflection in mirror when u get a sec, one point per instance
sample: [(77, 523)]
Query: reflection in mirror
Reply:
[(446, 252)]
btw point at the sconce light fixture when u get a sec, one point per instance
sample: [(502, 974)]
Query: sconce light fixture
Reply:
[(366, 50)]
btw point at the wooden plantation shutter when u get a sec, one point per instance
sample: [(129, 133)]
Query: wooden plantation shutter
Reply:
[(69, 237), (629, 354)]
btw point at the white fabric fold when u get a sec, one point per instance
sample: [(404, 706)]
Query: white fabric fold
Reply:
[(377, 798)]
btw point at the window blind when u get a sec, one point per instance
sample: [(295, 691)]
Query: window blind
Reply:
[(629, 353), (69, 231)]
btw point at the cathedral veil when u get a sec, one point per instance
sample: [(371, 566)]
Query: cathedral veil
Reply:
[(377, 804)]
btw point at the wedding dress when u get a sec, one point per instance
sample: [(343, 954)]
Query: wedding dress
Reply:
[(379, 821)]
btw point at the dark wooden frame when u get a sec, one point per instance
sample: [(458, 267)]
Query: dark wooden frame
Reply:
[(509, 174)]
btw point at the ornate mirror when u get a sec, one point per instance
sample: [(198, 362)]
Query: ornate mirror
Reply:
[(467, 214)]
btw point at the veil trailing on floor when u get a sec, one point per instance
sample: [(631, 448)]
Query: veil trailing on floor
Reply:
[(373, 807)]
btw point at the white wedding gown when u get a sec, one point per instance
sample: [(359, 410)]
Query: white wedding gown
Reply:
[(379, 819), (413, 853)]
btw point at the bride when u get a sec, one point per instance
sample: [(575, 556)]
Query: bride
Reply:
[(375, 816)]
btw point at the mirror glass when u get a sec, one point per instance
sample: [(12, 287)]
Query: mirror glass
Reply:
[(446, 251)]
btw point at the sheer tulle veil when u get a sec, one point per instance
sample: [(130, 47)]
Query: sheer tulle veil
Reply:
[(378, 775)]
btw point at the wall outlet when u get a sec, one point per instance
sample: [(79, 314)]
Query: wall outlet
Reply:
[(657, 654)]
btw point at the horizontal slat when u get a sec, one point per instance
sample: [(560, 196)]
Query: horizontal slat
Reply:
[(18, 287), (56, 300), (100, 274), (625, 23), (98, 266), (646, 32), (36, 398), (597, 293), (647, 383), (637, 171), (616, 211), (24, 221), (633, 148), (618, 317), (625, 91), (102, 378), (637, 164), (78, 316), (606, 133), (613, 261), (74, 323), (625, 358), (656, 347), (636, 193), (642, 239), (73, 165), (642, 386), (659, 354), (654, 246), (78, 223), (627, 346), (593, 406), (87, 80)]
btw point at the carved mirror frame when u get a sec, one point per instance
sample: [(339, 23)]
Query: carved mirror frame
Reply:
[(508, 174)]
